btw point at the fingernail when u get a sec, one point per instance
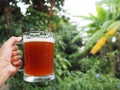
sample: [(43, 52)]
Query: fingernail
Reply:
[(19, 38)]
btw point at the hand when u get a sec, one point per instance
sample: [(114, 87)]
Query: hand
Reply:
[(10, 58)]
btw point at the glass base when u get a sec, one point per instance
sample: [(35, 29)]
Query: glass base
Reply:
[(38, 78)]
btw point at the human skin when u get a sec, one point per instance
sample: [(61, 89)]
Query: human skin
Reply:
[(10, 59)]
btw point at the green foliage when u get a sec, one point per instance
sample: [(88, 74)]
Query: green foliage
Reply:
[(96, 64), (108, 62), (91, 81), (74, 70), (114, 24), (107, 26), (91, 78), (112, 8), (96, 36), (102, 15)]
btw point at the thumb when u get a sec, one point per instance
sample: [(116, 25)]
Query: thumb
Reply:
[(13, 40)]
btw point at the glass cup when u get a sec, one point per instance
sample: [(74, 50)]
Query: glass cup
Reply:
[(38, 56)]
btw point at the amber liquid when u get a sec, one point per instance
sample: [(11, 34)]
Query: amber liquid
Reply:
[(38, 58)]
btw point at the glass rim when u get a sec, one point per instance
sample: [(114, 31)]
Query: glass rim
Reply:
[(37, 32)]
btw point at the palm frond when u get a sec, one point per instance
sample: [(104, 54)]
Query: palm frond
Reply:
[(94, 39)]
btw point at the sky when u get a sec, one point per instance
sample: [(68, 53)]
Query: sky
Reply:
[(76, 8)]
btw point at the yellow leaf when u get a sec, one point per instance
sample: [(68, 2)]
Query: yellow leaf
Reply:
[(111, 32), (98, 45)]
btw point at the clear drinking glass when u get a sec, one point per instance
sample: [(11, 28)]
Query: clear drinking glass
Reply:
[(38, 56)]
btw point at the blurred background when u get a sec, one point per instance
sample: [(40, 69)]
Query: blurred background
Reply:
[(87, 47)]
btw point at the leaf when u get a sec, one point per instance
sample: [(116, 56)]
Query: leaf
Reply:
[(99, 45), (107, 23), (101, 13), (114, 24), (94, 39)]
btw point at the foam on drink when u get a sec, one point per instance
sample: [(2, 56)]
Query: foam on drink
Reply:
[(39, 40)]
